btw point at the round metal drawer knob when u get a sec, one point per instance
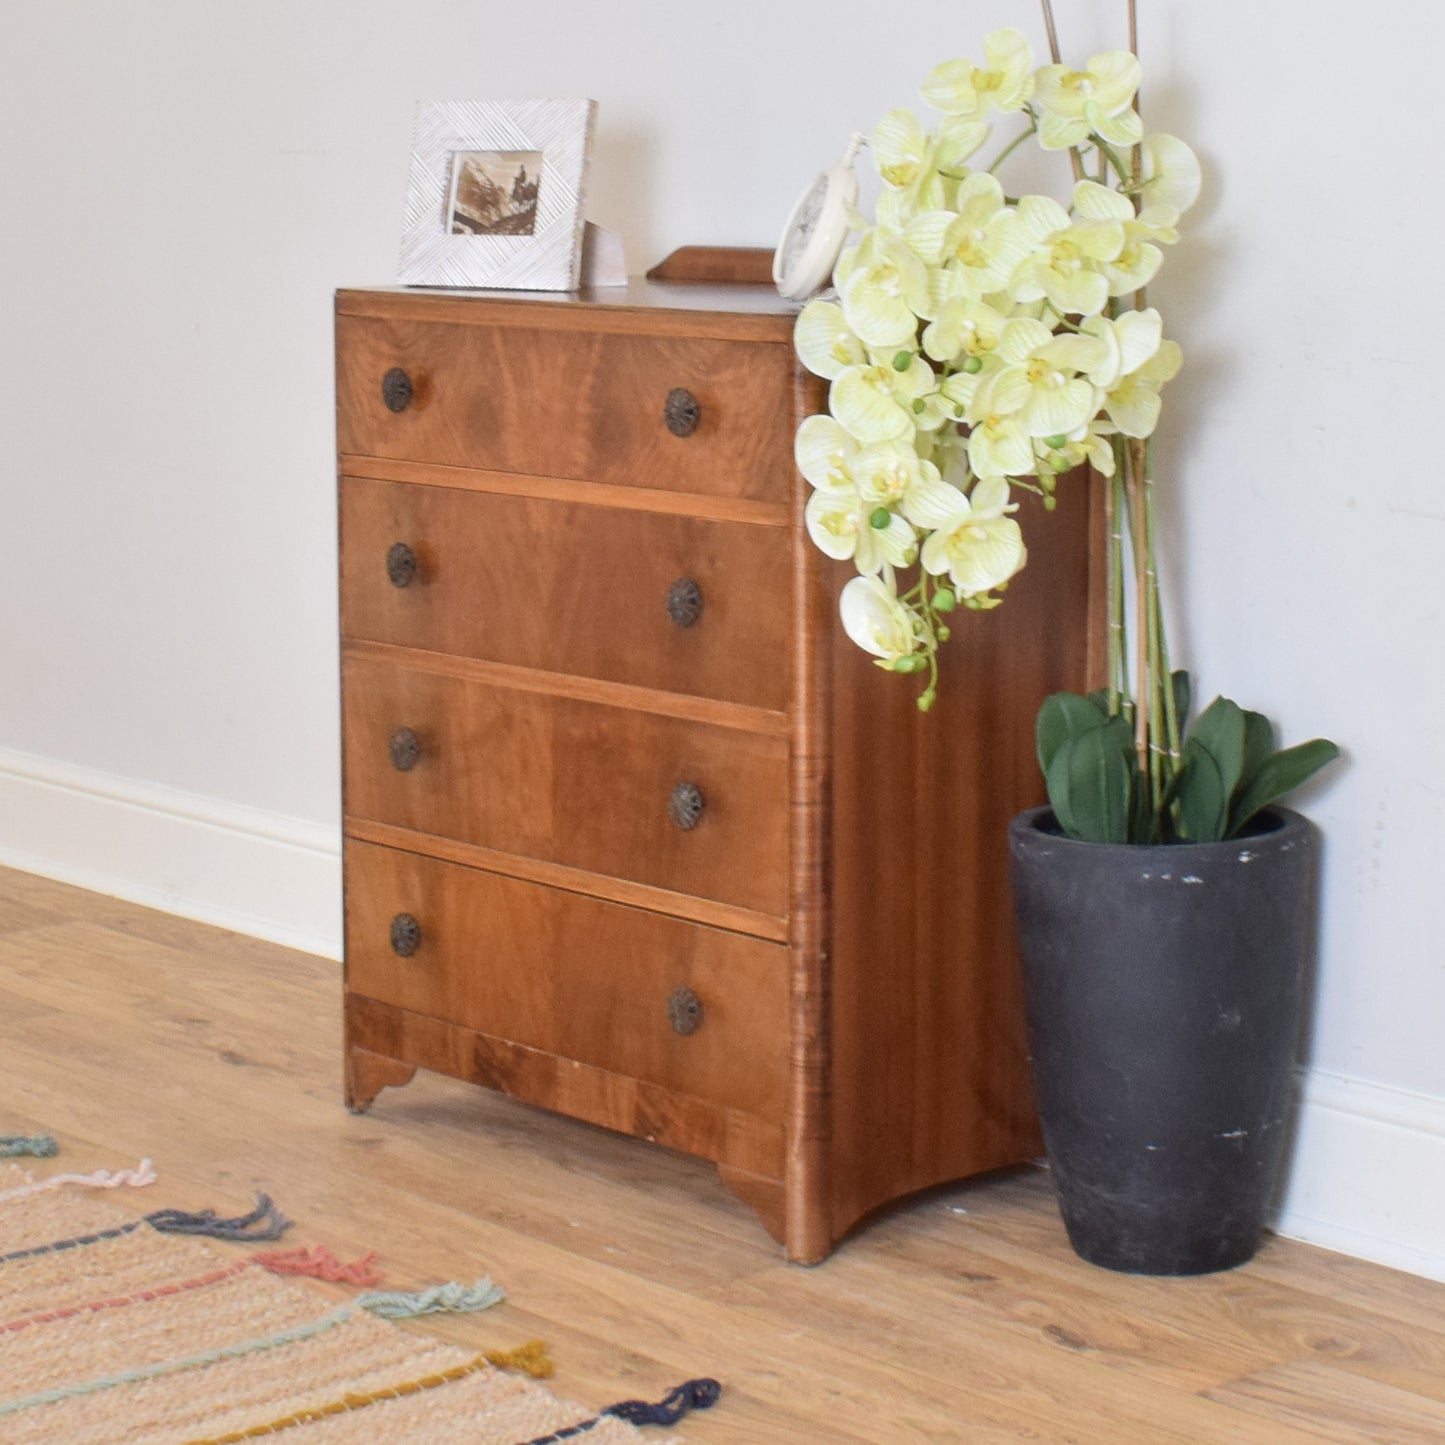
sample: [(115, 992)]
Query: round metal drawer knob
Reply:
[(681, 412), (405, 935), (396, 389), (405, 750), (685, 806), (684, 1012), (684, 602), (401, 565)]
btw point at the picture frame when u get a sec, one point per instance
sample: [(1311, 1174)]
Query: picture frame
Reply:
[(495, 193)]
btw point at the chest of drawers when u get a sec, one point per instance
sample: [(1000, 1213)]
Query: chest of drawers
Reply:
[(631, 831)]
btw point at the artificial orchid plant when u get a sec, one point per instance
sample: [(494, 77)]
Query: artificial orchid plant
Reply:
[(981, 344)]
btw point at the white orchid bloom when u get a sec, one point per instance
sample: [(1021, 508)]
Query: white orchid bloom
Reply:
[(1097, 99), (824, 341), (879, 622), (1004, 82), (975, 542), (1172, 177)]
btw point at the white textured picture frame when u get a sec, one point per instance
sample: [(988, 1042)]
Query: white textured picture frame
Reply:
[(496, 138)]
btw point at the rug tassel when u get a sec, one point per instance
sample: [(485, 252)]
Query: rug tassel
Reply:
[(694, 1395), (440, 1298), (143, 1174), (532, 1359), (265, 1221), (41, 1146), (320, 1263)]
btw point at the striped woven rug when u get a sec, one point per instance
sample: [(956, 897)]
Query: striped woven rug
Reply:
[(114, 1330)]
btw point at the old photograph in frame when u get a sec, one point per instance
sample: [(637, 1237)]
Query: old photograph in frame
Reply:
[(495, 194)]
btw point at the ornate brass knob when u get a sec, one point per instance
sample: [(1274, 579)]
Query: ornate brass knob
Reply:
[(405, 750), (681, 412), (405, 935), (684, 602), (685, 806), (401, 565), (684, 1012), (396, 389)]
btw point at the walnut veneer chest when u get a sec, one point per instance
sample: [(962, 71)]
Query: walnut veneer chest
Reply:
[(631, 830)]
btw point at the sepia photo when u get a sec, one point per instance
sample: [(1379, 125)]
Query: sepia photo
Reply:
[(493, 193)]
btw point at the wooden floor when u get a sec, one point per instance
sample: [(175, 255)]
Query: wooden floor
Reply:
[(961, 1317)]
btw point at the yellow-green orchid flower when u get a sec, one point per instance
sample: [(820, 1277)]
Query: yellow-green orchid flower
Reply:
[(1039, 383), (889, 474), (1066, 258), (974, 540), (914, 161), (825, 454), (1004, 82), (964, 331), (978, 243), (840, 523), (1126, 344), (875, 403), (1098, 98), (878, 621), (1133, 402), (824, 341), (1172, 176), (999, 445), (1089, 443), (885, 287)]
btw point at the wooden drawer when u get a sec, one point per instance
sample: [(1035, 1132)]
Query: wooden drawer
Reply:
[(572, 976), (582, 405), (570, 587), (573, 782)]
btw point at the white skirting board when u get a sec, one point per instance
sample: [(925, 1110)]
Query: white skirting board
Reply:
[(1368, 1158), (240, 868), (1366, 1171)]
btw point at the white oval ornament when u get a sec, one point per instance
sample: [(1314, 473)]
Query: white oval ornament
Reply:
[(813, 238)]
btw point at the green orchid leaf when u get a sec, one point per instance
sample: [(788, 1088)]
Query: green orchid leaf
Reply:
[(1062, 716), (1220, 731), (1179, 681), (1092, 776), (1057, 780), (1258, 749), (1282, 773), (1202, 798)]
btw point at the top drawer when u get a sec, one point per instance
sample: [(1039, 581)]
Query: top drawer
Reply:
[(589, 406)]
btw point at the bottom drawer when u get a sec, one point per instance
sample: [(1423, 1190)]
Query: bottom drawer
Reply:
[(693, 1009)]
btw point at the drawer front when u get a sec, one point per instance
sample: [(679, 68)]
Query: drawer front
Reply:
[(574, 404), (677, 603), (596, 982), (675, 804)]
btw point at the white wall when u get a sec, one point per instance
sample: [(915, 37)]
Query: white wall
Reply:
[(185, 182)]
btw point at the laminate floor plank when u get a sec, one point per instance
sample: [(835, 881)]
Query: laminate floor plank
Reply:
[(961, 1315)]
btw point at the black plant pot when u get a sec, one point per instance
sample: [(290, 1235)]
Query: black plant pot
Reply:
[(1164, 988)]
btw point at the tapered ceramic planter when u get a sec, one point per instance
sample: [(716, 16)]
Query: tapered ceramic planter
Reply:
[(1164, 989)]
